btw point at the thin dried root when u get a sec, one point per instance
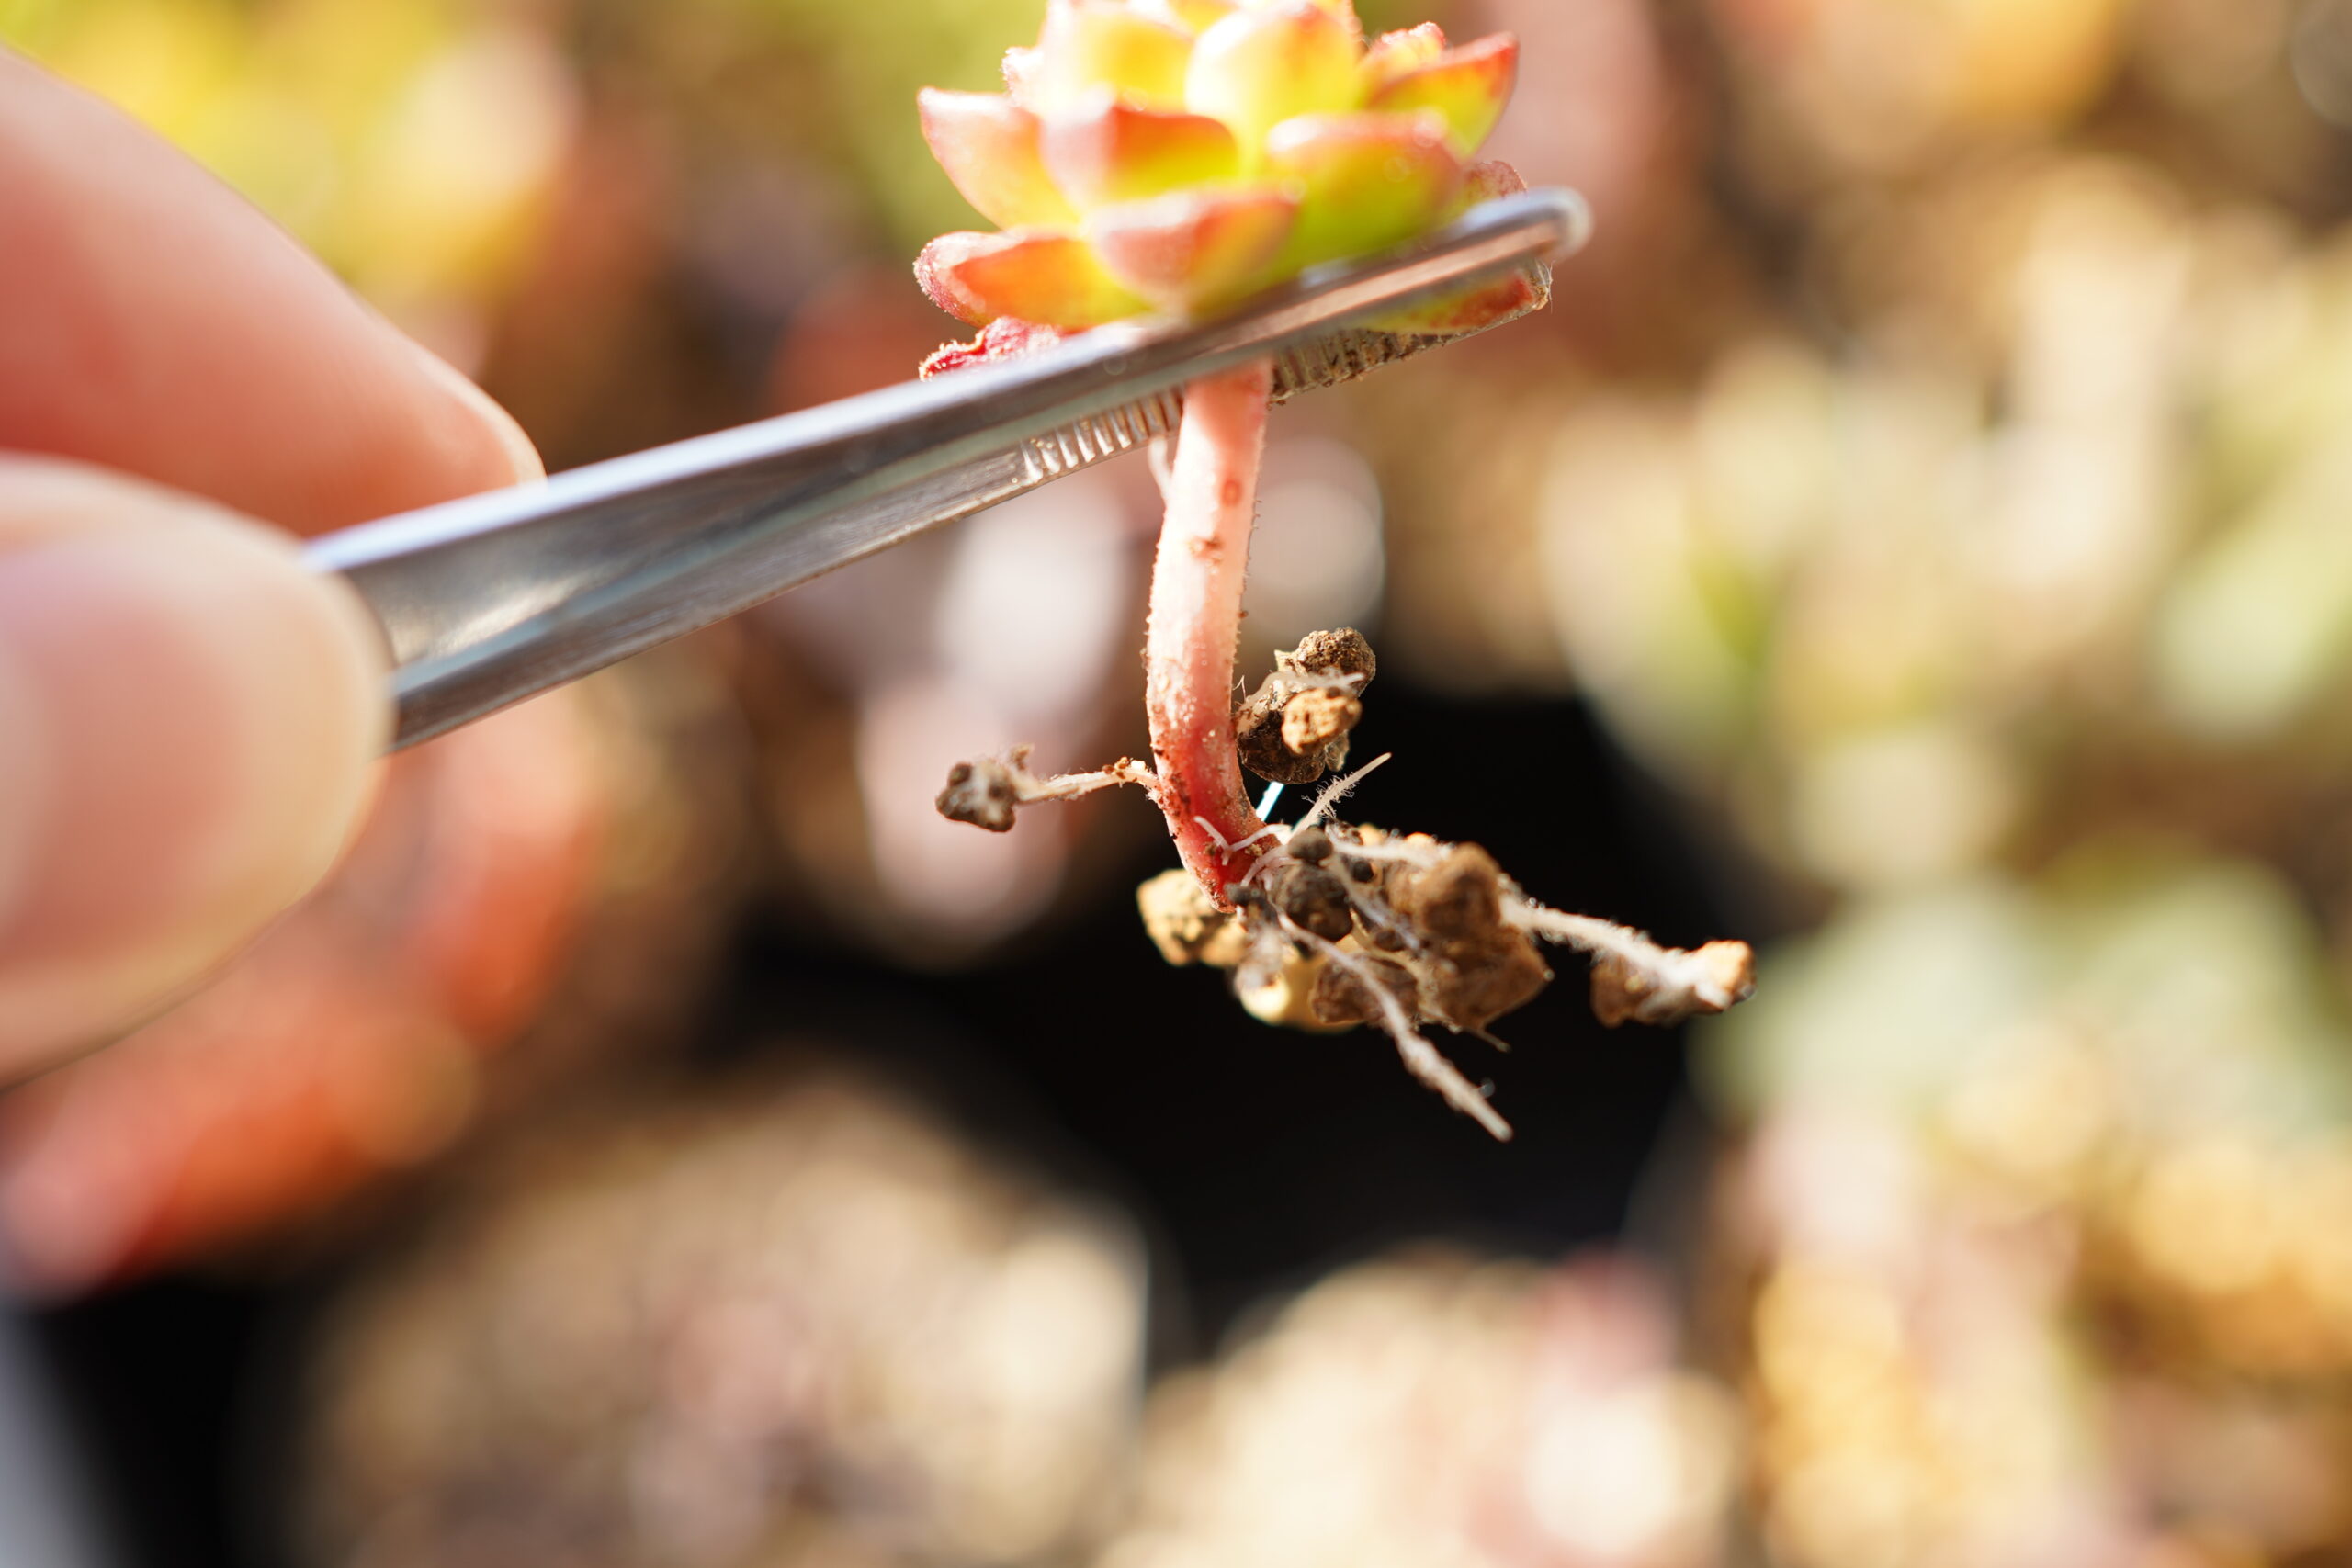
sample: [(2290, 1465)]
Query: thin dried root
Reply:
[(1633, 977), (1339, 925), (1335, 926), (1337, 791), (1423, 1060), (986, 791)]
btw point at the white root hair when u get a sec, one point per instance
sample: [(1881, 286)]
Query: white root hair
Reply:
[(1423, 1060), (1270, 830), (1396, 852), (1337, 790)]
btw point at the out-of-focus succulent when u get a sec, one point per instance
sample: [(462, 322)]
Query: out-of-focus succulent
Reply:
[(1950, 602), (1439, 1408), (1180, 154), (415, 148), (1872, 88), (787, 1323), (2044, 1211)]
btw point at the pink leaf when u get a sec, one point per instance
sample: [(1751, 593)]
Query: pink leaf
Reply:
[(1020, 70), (1194, 250), (1468, 85), (1111, 154), (1007, 337), (1487, 303), (1468, 311), (988, 144), (1489, 180), (1366, 181), (1264, 66), (1039, 275), (1393, 54), (1091, 44), (1193, 16)]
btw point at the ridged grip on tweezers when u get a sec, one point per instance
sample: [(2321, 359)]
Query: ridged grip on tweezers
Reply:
[(1329, 361), (486, 601)]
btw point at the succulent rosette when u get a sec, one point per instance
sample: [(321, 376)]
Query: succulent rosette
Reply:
[(1175, 156)]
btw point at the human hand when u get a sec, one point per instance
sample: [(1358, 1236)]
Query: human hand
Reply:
[(188, 718)]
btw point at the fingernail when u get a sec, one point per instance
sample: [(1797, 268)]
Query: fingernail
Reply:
[(521, 456), (190, 723)]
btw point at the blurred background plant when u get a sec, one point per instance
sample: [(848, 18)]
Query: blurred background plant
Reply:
[(1914, 532)]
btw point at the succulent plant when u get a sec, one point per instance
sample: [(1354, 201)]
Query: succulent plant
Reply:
[(1178, 155)]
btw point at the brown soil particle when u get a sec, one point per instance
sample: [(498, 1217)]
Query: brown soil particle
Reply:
[(1472, 992), (1621, 991), (1333, 654), (1294, 728), (1479, 966), (1312, 720), (982, 793), (1313, 896), (1310, 846), (1185, 926), (1459, 899), (1257, 736), (1341, 998), (1275, 984)]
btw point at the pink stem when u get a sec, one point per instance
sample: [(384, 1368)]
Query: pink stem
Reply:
[(1195, 620)]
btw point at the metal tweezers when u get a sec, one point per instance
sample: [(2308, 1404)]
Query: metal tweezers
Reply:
[(492, 599)]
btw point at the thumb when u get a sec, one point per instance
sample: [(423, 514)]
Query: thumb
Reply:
[(188, 723)]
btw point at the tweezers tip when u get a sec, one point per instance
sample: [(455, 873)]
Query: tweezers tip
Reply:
[(1353, 353)]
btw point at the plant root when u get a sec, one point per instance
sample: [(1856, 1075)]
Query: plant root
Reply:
[(986, 791), (1330, 926), (1325, 926), (1635, 977), (1423, 1060)]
